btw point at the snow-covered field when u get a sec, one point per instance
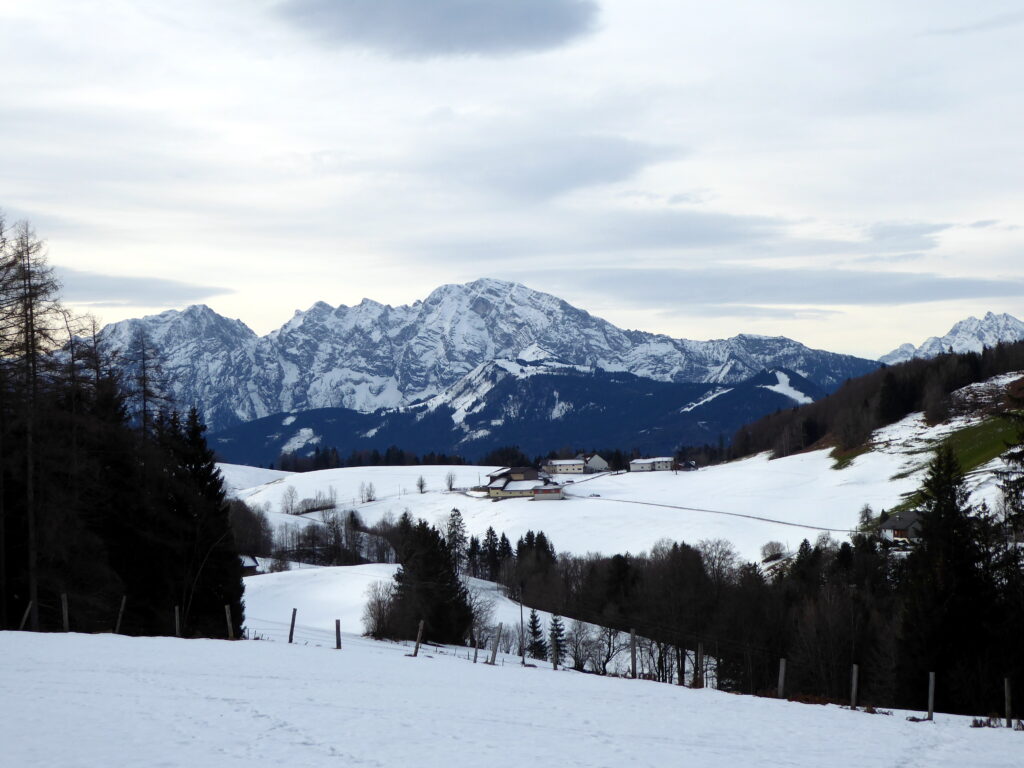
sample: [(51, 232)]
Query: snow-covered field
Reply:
[(748, 502), (94, 701), (784, 500), (322, 595)]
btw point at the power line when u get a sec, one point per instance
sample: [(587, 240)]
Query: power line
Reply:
[(730, 514)]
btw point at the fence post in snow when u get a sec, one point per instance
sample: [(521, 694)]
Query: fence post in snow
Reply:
[(931, 696), (497, 640), (1006, 697), (24, 618), (291, 629), (698, 667), (632, 653), (177, 621), (64, 610), (231, 624), (782, 678), (476, 648), (853, 687), (120, 614), (419, 639), (337, 634)]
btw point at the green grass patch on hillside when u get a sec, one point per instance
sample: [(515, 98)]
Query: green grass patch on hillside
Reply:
[(979, 444), (974, 446)]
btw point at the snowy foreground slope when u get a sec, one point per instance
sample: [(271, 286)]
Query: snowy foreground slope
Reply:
[(93, 701)]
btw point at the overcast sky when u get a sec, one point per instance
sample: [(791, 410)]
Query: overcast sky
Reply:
[(846, 174)]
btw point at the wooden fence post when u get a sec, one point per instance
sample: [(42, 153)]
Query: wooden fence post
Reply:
[(782, 678), (24, 618), (337, 634), (64, 611), (931, 696), (291, 629), (177, 621), (476, 647), (698, 667), (120, 614), (419, 639), (853, 687), (231, 624), (1006, 697), (632, 653), (497, 640)]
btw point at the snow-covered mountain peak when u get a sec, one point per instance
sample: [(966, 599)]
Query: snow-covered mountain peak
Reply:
[(968, 335), (374, 355)]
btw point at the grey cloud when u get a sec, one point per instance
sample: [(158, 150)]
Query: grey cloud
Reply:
[(905, 235), (545, 167), (101, 290), (729, 285), (426, 28)]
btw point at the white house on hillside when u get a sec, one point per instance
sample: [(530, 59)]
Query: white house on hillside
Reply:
[(659, 464), (565, 467)]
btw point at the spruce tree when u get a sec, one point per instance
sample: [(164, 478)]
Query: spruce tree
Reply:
[(948, 603), (536, 647), (490, 555), (455, 538), (556, 638)]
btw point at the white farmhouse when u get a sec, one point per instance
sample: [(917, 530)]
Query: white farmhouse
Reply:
[(659, 464), (565, 467)]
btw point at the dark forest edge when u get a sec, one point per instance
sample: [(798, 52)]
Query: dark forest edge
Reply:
[(108, 493)]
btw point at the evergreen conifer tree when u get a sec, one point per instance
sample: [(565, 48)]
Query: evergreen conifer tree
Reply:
[(556, 639), (536, 646)]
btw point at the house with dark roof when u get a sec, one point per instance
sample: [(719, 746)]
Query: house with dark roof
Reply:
[(902, 526)]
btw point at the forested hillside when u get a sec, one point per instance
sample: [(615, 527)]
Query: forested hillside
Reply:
[(106, 493), (848, 416)]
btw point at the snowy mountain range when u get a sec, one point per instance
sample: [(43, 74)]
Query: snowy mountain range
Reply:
[(970, 335), (373, 356)]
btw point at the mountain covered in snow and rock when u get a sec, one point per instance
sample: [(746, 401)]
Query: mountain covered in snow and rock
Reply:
[(539, 406), (372, 356), (969, 335)]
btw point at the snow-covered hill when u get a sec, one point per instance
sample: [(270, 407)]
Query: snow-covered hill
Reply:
[(747, 502), (372, 355), (92, 701), (969, 335)]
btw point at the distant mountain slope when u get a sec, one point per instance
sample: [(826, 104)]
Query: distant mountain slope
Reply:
[(969, 335), (538, 406), (373, 356)]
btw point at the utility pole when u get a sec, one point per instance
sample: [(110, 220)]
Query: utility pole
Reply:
[(522, 631)]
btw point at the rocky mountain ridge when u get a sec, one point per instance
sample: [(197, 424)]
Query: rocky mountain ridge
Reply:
[(373, 356), (968, 335)]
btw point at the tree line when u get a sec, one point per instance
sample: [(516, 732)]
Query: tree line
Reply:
[(106, 492), (953, 604)]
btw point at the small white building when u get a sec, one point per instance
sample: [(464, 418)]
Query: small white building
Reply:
[(592, 462), (547, 493), (658, 464), (565, 467)]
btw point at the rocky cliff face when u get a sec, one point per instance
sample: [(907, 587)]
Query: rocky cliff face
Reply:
[(374, 356)]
